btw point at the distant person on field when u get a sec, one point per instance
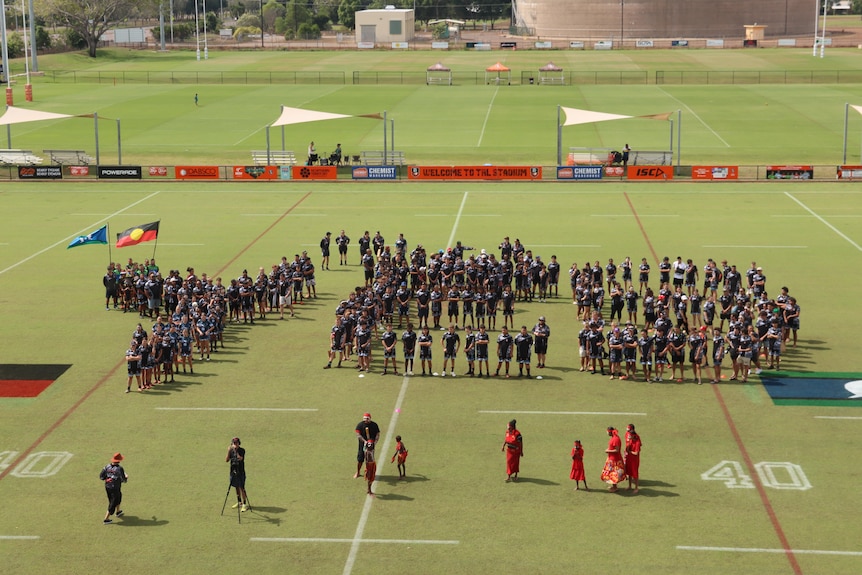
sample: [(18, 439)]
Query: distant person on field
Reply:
[(196, 98), (577, 474), (626, 151), (336, 155), (114, 476), (312, 154), (324, 250), (401, 455)]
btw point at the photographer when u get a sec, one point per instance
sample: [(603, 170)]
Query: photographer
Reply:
[(236, 458)]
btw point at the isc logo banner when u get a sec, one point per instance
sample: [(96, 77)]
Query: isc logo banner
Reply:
[(650, 172)]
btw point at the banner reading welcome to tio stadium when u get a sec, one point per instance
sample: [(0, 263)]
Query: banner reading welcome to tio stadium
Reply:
[(474, 173)]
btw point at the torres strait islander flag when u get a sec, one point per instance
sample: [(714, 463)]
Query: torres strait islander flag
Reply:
[(138, 234)]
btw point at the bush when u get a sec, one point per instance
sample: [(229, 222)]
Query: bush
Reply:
[(14, 45), (43, 38), (308, 31), (75, 40), (241, 34)]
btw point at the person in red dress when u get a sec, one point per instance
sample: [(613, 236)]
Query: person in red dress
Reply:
[(513, 445), (401, 455), (370, 465), (614, 471), (633, 455), (577, 473)]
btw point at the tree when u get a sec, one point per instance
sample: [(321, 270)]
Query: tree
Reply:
[(90, 19), (347, 12)]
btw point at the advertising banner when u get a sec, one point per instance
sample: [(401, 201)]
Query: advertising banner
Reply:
[(615, 171), (789, 172), (650, 172), (850, 172), (255, 172), (314, 172), (158, 171), (714, 172), (474, 173), (579, 172), (120, 172), (40, 172), (79, 170), (196, 172), (375, 172)]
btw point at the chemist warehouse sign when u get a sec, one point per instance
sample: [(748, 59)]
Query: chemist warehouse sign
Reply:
[(375, 173), (579, 172)]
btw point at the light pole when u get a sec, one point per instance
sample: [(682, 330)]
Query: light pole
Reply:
[(261, 24), (622, 20), (197, 35)]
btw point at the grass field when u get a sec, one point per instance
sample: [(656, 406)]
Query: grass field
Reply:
[(741, 124), (454, 514)]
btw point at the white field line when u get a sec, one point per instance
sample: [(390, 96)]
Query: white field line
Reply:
[(458, 219), (562, 412), (824, 222), (757, 247), (768, 550), (698, 118), (19, 537), (632, 215), (463, 215), (299, 409), (836, 417), (366, 508), (184, 245), (565, 245), (332, 540), (76, 234), (487, 115)]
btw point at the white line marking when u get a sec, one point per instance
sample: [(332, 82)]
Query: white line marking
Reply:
[(183, 245), (232, 409), (366, 509), (487, 115), (464, 215), (835, 417), (565, 245), (808, 216), (78, 233), (19, 537), (566, 412), (109, 215), (457, 219), (329, 540), (766, 550), (699, 119), (827, 224), (757, 247), (632, 215), (279, 215)]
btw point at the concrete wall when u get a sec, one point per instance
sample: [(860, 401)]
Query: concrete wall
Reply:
[(634, 19)]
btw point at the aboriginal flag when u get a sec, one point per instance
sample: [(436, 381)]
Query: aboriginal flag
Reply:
[(138, 234)]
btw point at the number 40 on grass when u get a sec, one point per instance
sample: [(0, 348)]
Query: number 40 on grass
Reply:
[(774, 474)]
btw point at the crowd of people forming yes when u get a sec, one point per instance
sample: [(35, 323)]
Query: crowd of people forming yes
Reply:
[(470, 288), (190, 312)]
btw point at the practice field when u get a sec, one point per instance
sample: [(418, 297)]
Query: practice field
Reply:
[(153, 95), (734, 479)]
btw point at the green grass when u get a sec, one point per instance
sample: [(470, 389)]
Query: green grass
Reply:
[(463, 124), (300, 463)]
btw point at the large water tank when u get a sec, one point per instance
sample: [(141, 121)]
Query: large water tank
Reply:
[(634, 19)]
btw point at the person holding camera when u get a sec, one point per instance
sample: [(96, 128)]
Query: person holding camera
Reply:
[(236, 458)]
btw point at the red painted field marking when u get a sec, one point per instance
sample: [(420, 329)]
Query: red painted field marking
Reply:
[(776, 525), (116, 367)]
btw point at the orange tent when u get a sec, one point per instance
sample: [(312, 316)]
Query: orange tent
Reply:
[(493, 74)]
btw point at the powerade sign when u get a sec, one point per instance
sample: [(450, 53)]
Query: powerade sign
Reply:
[(375, 173), (120, 172), (579, 172)]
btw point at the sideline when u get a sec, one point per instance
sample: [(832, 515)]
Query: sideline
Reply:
[(824, 222), (767, 550)]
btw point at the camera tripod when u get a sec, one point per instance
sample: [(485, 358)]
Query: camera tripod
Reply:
[(238, 507)]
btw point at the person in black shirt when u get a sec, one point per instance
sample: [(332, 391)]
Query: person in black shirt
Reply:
[(524, 347), (236, 458), (114, 476), (504, 350), (324, 250), (408, 339), (389, 339), (342, 241), (366, 430)]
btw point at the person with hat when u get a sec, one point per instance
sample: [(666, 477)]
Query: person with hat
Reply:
[(366, 431), (114, 476), (236, 458), (324, 250), (541, 333)]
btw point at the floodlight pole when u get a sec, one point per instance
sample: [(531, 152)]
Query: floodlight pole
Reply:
[(34, 65), (197, 35), (267, 144), (392, 133), (206, 45), (678, 136), (119, 145), (823, 33), (384, 137), (5, 51)]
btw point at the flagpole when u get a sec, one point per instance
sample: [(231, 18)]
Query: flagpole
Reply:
[(156, 243), (108, 237)]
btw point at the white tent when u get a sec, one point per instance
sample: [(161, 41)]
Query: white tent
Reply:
[(291, 116), (15, 115), (574, 116)]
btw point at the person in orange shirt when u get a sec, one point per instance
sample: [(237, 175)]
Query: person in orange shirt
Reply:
[(577, 473), (401, 455), (633, 456)]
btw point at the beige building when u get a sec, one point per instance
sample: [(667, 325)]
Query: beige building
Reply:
[(384, 26), (646, 19)]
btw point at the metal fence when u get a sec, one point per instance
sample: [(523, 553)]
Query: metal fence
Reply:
[(231, 77), (701, 77)]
